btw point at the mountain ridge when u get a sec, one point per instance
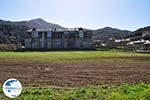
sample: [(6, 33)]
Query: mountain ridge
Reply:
[(34, 23), (108, 32), (16, 29)]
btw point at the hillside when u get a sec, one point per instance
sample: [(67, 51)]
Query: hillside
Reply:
[(13, 32), (34, 23), (137, 35), (108, 32)]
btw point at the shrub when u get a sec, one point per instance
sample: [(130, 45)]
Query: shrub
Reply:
[(7, 47)]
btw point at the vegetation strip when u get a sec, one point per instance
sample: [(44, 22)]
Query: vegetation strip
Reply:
[(67, 56), (140, 91)]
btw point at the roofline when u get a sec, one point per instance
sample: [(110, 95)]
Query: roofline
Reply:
[(58, 30)]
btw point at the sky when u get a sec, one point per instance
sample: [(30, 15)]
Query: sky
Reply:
[(92, 14)]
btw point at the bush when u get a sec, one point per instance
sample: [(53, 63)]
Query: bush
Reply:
[(7, 47)]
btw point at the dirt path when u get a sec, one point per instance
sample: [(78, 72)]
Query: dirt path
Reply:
[(70, 74)]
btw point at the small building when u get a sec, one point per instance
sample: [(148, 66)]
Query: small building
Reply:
[(140, 41), (58, 38)]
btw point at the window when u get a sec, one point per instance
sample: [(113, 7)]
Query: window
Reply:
[(88, 35), (57, 35)]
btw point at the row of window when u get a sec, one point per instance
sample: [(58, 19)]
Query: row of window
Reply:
[(59, 34)]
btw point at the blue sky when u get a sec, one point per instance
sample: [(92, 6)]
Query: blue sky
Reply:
[(93, 14)]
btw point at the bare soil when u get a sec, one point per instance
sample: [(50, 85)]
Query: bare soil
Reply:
[(76, 74)]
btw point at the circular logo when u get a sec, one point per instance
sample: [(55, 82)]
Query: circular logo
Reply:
[(12, 88)]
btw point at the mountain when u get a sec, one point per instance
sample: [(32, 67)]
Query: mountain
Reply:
[(108, 32), (14, 32), (35, 23), (40, 23)]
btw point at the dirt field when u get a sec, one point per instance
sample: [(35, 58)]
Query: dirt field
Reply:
[(81, 73)]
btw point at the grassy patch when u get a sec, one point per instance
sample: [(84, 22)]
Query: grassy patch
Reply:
[(139, 91), (66, 56)]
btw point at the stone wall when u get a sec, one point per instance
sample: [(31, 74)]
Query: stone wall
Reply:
[(67, 40)]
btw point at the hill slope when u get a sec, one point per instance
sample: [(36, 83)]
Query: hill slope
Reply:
[(13, 32), (108, 32), (35, 23)]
